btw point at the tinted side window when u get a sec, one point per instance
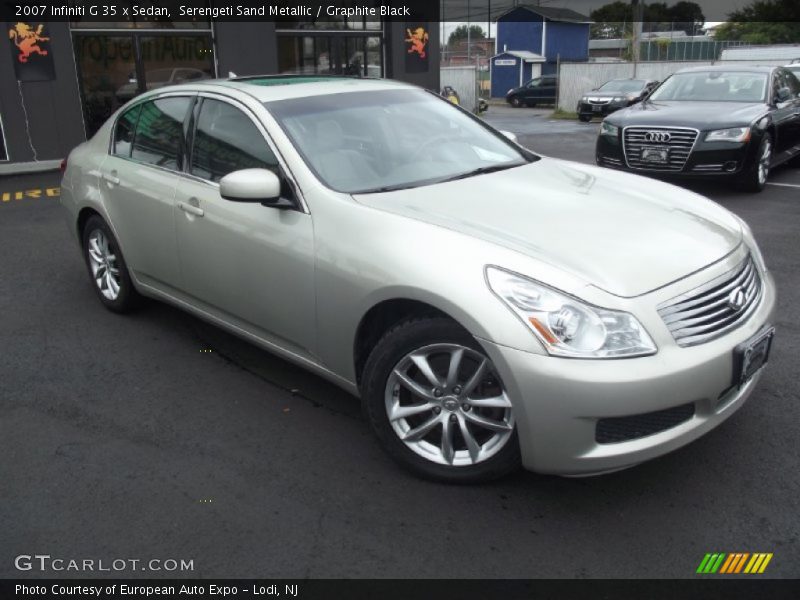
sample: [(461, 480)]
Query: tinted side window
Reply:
[(791, 82), (227, 140), (123, 135), (159, 135)]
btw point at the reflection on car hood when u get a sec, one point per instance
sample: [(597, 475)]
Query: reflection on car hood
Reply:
[(700, 115), (625, 234)]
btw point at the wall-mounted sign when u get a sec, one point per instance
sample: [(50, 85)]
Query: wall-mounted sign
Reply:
[(31, 53), (417, 38), (505, 62)]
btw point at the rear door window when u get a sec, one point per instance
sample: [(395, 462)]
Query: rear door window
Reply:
[(159, 134)]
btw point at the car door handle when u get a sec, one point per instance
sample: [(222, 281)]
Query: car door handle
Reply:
[(112, 179), (193, 210)]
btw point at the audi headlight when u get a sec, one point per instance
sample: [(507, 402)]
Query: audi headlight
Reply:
[(733, 134), (608, 129), (567, 326)]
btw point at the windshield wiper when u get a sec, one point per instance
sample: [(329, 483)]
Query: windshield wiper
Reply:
[(389, 188), (480, 171), (407, 186)]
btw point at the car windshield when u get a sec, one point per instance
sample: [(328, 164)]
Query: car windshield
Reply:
[(363, 142), (623, 85), (714, 86)]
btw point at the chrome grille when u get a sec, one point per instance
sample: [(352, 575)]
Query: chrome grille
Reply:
[(679, 145), (709, 311)]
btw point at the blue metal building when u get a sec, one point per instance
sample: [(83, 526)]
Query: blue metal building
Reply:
[(551, 33)]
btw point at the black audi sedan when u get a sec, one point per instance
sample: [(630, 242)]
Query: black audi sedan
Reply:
[(734, 122), (612, 96)]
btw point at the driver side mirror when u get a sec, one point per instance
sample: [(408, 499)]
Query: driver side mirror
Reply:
[(253, 185)]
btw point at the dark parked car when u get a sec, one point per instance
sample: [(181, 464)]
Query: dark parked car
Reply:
[(539, 90), (613, 95), (733, 122)]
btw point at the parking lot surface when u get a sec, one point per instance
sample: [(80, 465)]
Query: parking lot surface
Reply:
[(155, 435)]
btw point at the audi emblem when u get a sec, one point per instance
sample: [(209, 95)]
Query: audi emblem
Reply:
[(737, 299), (657, 136)]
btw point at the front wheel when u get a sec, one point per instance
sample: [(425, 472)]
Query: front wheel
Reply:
[(755, 177), (515, 102), (438, 405), (584, 118)]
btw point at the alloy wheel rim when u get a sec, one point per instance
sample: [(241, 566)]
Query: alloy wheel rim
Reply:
[(446, 403), (763, 163), (103, 263)]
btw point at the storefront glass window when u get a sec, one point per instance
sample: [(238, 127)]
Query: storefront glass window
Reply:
[(114, 69), (331, 55), (328, 24), (107, 67), (172, 59)]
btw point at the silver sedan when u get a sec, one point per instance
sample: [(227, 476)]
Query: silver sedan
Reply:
[(491, 307)]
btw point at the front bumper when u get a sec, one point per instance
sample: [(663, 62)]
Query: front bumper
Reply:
[(560, 401), (707, 159), (599, 110)]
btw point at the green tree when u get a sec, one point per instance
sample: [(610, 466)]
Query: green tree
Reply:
[(687, 16), (763, 22), (460, 33), (612, 20)]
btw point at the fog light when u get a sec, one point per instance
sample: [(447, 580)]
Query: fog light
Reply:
[(730, 166)]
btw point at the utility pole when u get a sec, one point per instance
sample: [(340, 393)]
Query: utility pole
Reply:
[(638, 15)]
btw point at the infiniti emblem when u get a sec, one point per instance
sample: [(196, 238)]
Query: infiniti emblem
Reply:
[(737, 299), (657, 136)]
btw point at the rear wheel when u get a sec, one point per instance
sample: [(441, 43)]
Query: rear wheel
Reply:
[(755, 177), (107, 267), (437, 404)]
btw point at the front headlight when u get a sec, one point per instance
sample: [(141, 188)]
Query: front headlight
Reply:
[(567, 326), (734, 134), (750, 240), (608, 129), (620, 99)]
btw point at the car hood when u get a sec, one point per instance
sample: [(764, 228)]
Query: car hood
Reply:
[(700, 115), (622, 233)]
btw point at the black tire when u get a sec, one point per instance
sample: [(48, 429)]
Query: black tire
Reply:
[(584, 118), (127, 297), (752, 180), (515, 102), (406, 337)]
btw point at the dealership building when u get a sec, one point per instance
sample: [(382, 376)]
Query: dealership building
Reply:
[(59, 81)]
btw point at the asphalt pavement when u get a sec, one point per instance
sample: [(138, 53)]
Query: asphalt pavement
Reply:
[(156, 436)]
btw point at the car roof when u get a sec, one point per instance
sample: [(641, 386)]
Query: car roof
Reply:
[(267, 88), (729, 68)]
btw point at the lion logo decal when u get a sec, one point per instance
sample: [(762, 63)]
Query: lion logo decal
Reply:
[(27, 40), (418, 40)]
